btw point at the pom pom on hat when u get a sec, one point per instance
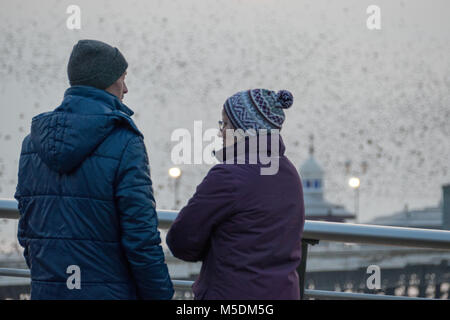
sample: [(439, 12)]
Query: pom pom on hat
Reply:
[(285, 99)]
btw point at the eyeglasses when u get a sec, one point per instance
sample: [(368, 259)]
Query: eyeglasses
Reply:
[(221, 125)]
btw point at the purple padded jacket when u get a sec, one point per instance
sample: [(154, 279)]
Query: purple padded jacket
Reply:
[(245, 227)]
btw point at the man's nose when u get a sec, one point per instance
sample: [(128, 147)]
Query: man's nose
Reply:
[(125, 89)]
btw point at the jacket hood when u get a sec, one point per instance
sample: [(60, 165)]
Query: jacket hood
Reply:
[(64, 137)]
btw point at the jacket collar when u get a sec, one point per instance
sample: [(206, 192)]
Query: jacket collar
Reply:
[(109, 100), (90, 100)]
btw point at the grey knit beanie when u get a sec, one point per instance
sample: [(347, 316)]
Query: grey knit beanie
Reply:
[(95, 63)]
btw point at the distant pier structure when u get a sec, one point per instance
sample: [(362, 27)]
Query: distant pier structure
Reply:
[(435, 217), (316, 207)]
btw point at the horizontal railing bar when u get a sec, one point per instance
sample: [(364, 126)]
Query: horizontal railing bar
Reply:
[(8, 209), (337, 295), (320, 230), (374, 234), (20, 273), (182, 284), (319, 294)]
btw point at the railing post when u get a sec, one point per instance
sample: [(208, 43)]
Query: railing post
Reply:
[(302, 268)]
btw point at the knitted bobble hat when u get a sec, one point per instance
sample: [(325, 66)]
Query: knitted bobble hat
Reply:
[(258, 109)]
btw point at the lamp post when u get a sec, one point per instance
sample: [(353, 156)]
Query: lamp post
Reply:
[(354, 183), (175, 173)]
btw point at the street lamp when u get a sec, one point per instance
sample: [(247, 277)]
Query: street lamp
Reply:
[(175, 173), (354, 183)]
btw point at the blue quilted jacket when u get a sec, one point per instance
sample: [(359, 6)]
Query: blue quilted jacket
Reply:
[(88, 222)]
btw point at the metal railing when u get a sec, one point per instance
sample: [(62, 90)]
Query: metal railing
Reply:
[(314, 231)]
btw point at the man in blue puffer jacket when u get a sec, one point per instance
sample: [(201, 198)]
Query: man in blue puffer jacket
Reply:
[(88, 222)]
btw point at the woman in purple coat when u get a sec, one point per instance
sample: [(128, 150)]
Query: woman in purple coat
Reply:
[(245, 220)]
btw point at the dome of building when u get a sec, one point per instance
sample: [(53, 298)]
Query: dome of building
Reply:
[(316, 207)]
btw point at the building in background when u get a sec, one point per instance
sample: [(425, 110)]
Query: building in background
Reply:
[(316, 207), (428, 218)]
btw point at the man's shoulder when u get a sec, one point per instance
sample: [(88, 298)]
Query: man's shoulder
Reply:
[(114, 145), (27, 146)]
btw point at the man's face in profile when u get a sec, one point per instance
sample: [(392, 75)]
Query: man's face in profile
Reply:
[(118, 88)]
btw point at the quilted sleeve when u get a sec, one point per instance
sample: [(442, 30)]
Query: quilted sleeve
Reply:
[(212, 203), (139, 222)]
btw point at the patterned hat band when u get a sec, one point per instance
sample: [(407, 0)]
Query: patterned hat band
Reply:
[(258, 109)]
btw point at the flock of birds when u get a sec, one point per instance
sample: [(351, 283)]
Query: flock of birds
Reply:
[(378, 105)]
